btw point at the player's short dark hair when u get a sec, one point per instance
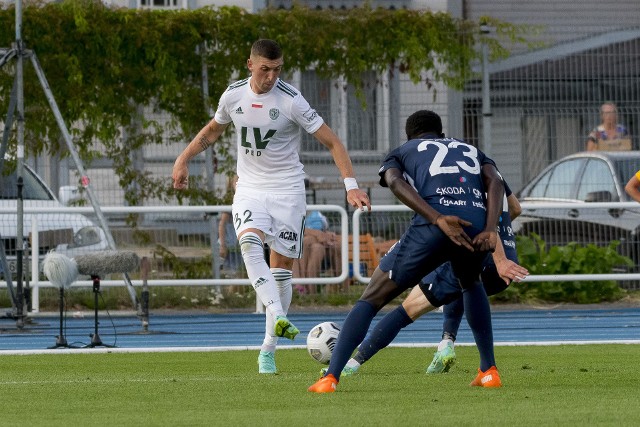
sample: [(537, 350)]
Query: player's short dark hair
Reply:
[(266, 48), (423, 121)]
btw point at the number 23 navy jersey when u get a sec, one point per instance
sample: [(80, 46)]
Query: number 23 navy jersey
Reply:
[(446, 172)]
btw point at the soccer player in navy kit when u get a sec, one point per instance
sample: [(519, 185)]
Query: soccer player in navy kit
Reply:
[(441, 287), (444, 181), (269, 204)]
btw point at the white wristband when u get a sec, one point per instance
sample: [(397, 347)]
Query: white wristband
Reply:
[(350, 184)]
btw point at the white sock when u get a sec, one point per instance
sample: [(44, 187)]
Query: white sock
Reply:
[(259, 274), (283, 283), (444, 343), (353, 363)]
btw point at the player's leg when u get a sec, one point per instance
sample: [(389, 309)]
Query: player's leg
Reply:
[(453, 312), (451, 319), (442, 290), (381, 290), (478, 312), (445, 355), (266, 359), (476, 306), (417, 253), (265, 286), (283, 279), (252, 221), (286, 242), (263, 282), (385, 331)]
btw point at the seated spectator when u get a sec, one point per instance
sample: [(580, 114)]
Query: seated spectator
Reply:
[(320, 247)]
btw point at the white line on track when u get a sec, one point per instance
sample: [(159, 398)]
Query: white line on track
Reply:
[(103, 350)]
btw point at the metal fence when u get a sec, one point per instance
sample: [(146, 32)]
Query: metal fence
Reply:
[(541, 106), (181, 245)]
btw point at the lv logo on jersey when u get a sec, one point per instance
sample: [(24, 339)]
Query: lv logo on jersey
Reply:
[(261, 143)]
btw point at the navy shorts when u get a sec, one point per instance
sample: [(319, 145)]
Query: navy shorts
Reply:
[(423, 248), (442, 287)]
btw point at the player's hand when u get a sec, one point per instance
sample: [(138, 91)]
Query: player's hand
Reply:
[(180, 175), (452, 226), (486, 241), (510, 271), (358, 199)]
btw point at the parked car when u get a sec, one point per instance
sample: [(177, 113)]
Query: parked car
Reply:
[(69, 234), (581, 178)]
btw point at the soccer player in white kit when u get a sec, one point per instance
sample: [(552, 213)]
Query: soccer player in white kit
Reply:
[(270, 202)]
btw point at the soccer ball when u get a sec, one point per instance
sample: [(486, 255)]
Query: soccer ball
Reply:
[(321, 341)]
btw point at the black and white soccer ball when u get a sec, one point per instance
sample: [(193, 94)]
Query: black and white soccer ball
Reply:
[(322, 340)]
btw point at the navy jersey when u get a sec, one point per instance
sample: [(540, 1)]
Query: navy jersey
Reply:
[(446, 172), (505, 230), (441, 286)]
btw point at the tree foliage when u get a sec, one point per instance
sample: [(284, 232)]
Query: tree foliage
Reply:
[(541, 259), (103, 63)]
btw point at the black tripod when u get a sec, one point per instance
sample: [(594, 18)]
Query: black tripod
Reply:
[(95, 337), (61, 341), (20, 53)]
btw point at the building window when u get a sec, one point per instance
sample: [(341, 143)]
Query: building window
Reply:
[(162, 4), (362, 118), (354, 122)]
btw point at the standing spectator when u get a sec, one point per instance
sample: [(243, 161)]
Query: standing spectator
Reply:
[(444, 181), (269, 205), (609, 135)]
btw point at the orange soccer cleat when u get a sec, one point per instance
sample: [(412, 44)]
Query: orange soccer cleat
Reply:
[(326, 384), (490, 378)]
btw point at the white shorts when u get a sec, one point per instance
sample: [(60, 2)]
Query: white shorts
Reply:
[(279, 216)]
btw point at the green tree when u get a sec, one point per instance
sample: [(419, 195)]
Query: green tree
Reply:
[(103, 63)]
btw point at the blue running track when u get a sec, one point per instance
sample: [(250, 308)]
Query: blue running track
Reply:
[(182, 331)]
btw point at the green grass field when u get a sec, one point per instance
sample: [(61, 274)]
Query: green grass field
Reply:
[(543, 386)]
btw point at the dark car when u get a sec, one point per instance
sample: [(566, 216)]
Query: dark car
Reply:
[(579, 179)]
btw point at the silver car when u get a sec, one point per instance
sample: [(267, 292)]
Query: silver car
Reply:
[(67, 233), (579, 179)]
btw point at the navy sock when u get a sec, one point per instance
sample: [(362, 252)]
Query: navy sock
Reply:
[(452, 316), (383, 333), (353, 331), (478, 312)]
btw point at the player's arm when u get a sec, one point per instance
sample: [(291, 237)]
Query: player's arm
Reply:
[(632, 188), (355, 196), (450, 225), (513, 204), (507, 269), (487, 239), (203, 140)]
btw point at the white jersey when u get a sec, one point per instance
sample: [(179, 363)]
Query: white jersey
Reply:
[(268, 128)]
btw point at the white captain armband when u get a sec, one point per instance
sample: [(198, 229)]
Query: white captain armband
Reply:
[(350, 184)]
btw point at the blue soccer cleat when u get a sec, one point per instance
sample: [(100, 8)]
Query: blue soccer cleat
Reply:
[(266, 362), (442, 360)]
